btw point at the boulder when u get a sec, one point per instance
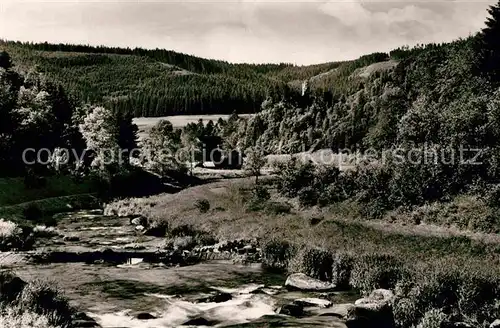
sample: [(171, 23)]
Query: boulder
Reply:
[(145, 316), (374, 310), (217, 298), (495, 324), (139, 228), (157, 230), (82, 320), (200, 321), (141, 220), (378, 299), (85, 324), (336, 310), (294, 310), (313, 302), (300, 281)]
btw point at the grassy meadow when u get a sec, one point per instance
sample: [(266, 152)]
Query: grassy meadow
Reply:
[(178, 121)]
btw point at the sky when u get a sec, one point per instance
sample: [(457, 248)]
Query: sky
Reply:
[(252, 31)]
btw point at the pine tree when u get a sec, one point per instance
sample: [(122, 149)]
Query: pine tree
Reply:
[(489, 45)]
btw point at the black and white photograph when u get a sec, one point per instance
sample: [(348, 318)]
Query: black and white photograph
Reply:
[(250, 163)]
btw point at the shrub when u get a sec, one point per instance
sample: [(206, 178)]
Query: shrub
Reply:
[(202, 205), (433, 319), (8, 229), (293, 176), (16, 318), (258, 198), (13, 236), (277, 208), (276, 254), (373, 271), (478, 296), (11, 287), (184, 243), (341, 270), (425, 291), (260, 193), (492, 197), (308, 196), (183, 231), (32, 212), (42, 298), (314, 262)]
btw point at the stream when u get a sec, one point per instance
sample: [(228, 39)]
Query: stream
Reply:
[(124, 288)]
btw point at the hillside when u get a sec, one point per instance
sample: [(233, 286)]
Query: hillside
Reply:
[(161, 82), (158, 82)]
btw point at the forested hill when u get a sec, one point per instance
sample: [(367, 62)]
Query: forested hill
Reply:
[(159, 82)]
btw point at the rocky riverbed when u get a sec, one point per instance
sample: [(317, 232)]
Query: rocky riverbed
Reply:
[(118, 276)]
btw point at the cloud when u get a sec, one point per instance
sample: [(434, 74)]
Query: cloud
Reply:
[(247, 30)]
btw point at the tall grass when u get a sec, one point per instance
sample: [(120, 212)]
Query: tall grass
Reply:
[(35, 304)]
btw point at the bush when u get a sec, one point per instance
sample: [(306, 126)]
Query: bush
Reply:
[(184, 243), (314, 262), (42, 298), (276, 254), (202, 205), (492, 197), (17, 318), (11, 287), (433, 319), (341, 270), (293, 176), (260, 193), (462, 297), (375, 271), (258, 198), (183, 231), (308, 196), (13, 236)]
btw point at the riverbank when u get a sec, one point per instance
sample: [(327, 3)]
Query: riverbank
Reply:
[(430, 272), (124, 276)]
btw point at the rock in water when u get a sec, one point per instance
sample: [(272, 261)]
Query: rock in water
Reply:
[(337, 310), (374, 310), (145, 316), (159, 229), (82, 320), (301, 281), (313, 302), (141, 220), (200, 321), (217, 298), (294, 310)]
